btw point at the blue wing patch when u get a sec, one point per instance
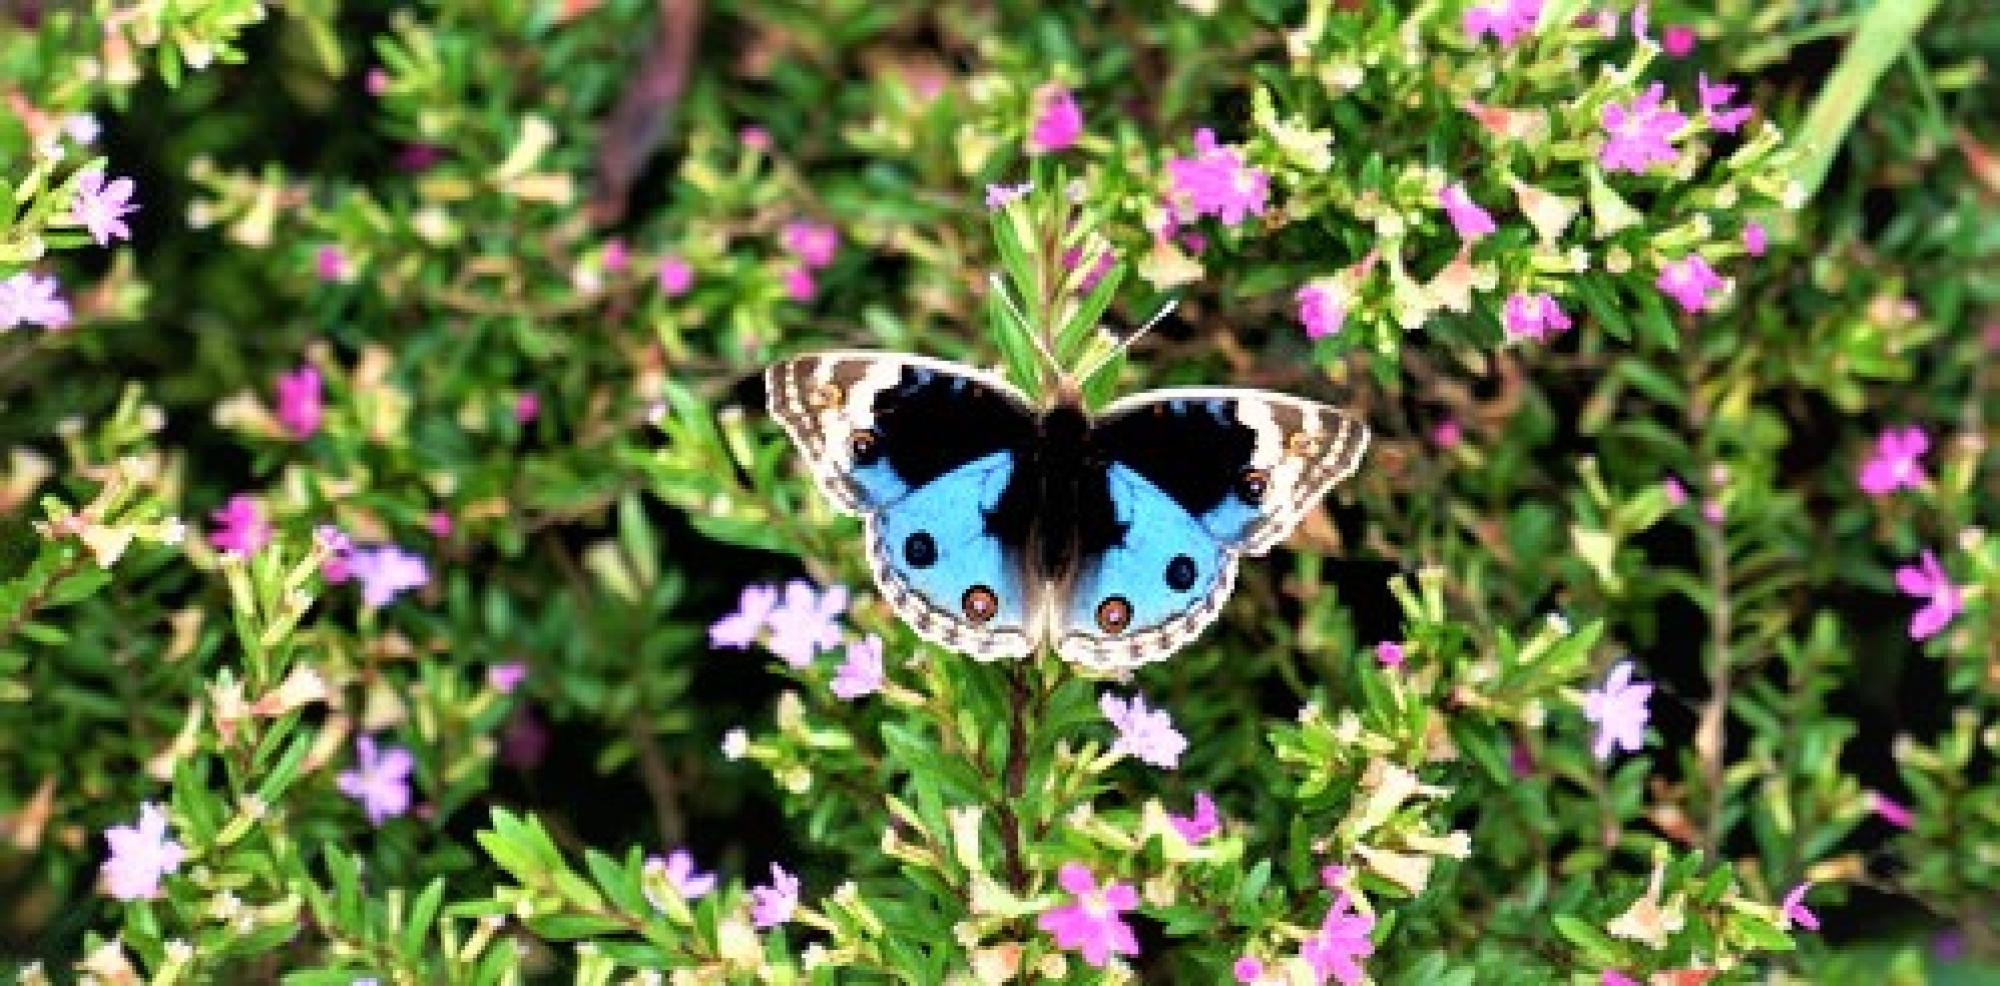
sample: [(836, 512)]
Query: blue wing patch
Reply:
[(932, 548)]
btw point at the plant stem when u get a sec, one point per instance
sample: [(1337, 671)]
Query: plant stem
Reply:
[(1884, 33), (1016, 779), (1709, 738)]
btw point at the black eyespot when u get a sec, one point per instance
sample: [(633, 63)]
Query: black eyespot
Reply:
[(980, 604), (865, 446), (920, 549), (1251, 486), (1114, 614), (1180, 573)]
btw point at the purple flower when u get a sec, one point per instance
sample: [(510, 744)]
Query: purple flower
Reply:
[(1754, 239), (331, 264), (1715, 102), (1690, 281), (380, 780), (1896, 463), (1322, 307), (525, 740), (1619, 710), (1638, 135), (101, 208), (339, 550), (527, 407), (799, 285), (1389, 653), (1001, 196), (773, 905), (376, 81), (676, 276), (1677, 494), (754, 137), (813, 243), (1614, 978), (1203, 823), (26, 299), (1506, 21), (1058, 122), (740, 628), (1341, 942), (141, 855), (504, 678), (1471, 221), (1247, 969), (1534, 316), (806, 622), (240, 527), (1890, 810), (1147, 734), (1092, 925), (861, 673), (299, 405), (386, 571), (1216, 182), (1794, 908), (1678, 40), (1927, 580), (678, 868), (616, 256)]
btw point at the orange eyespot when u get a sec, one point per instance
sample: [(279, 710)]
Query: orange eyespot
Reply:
[(1114, 614), (1252, 485), (980, 604)]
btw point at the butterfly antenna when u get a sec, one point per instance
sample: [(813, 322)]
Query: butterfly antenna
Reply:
[(1041, 344), (1120, 343)]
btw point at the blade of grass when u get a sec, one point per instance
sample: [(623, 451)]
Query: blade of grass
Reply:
[(1883, 34)]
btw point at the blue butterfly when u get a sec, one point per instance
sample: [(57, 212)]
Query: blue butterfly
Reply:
[(995, 527)]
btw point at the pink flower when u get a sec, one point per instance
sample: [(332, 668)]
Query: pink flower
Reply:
[(1057, 124), (339, 550), (527, 407), (1619, 710), (1247, 969), (1448, 433), (1203, 823), (740, 628), (1891, 811), (1322, 308), (1389, 653), (419, 158), (1001, 196), (1471, 221), (676, 276), (1677, 494), (1639, 14), (504, 678), (380, 780), (26, 299), (1928, 580), (678, 869), (331, 264), (1616, 979), (1331, 875), (1754, 239), (241, 527), (386, 571), (1342, 941), (1690, 281), (525, 740), (813, 243), (1091, 925), (1147, 734), (806, 622), (377, 81), (1794, 908), (141, 855), (1637, 136), (299, 403), (1895, 464), (1678, 40), (1534, 316), (1216, 182), (1715, 102), (616, 257), (102, 208), (755, 138), (861, 673), (1521, 760), (773, 905), (439, 524), (1506, 21), (799, 285)]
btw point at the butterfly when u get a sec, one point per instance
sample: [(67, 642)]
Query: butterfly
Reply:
[(995, 527)]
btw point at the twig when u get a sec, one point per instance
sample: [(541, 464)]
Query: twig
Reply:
[(640, 119)]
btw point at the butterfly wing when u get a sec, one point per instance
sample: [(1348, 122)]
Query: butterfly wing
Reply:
[(922, 450), (1196, 477)]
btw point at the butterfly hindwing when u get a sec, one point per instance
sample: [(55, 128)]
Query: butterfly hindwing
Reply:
[(921, 449)]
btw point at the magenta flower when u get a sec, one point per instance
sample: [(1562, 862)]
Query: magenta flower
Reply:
[(331, 264), (1389, 653), (527, 407), (26, 299), (1331, 874), (1678, 40), (1690, 281), (1091, 925), (376, 81), (1341, 942), (1534, 316), (1448, 433), (419, 158), (740, 628), (1896, 463), (616, 257), (299, 402), (1001, 196), (1890, 810), (678, 868), (861, 673), (799, 285), (1322, 308), (102, 208), (1613, 978), (525, 740), (1216, 182), (676, 276), (240, 527), (141, 855), (805, 622), (380, 780), (1147, 734), (813, 243), (1794, 908), (1638, 136), (439, 524), (1057, 124), (1471, 221), (504, 678), (1205, 821), (1506, 21), (339, 551), (1677, 493), (1754, 239), (754, 137), (773, 905), (386, 571), (1247, 969), (1927, 580), (1619, 710), (1715, 102), (1521, 760)]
